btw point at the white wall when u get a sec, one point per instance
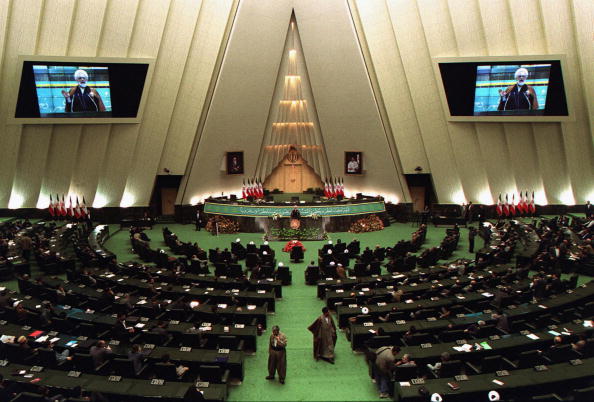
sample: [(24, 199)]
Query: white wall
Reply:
[(111, 160), (110, 163), (479, 161), (345, 103)]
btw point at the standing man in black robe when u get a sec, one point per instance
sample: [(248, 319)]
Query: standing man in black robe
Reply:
[(324, 333), (198, 219)]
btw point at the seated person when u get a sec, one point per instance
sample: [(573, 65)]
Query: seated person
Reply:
[(445, 356), (406, 361), (179, 370)]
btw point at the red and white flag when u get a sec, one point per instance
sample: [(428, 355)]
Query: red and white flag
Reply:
[(85, 210), (63, 207), (506, 206), (326, 193), (532, 205), (512, 206), (499, 207), (51, 207), (77, 211), (520, 206), (71, 208), (243, 194)]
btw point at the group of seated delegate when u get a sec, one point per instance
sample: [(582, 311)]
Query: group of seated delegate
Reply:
[(452, 329), (137, 324)]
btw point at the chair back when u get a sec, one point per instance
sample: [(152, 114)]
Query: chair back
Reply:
[(491, 364), (28, 397), (83, 362), (583, 394), (228, 342), (46, 357), (123, 367), (212, 374), (450, 368), (405, 373), (165, 371)]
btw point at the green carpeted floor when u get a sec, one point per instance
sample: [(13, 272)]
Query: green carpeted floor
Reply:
[(307, 380)]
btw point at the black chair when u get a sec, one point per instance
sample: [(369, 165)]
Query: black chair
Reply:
[(405, 373), (125, 368), (312, 275), (563, 353), (376, 342), (361, 318), (84, 362), (491, 364), (28, 397), (154, 338), (14, 353), (419, 338), (214, 374), (191, 340), (583, 394), (230, 342), (47, 358), (449, 369), (251, 260), (452, 335), (531, 358), (297, 254), (283, 274), (167, 372), (235, 271)]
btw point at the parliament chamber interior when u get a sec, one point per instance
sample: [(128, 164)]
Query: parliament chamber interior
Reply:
[(296, 200)]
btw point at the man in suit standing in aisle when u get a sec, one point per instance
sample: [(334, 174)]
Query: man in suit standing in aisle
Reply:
[(277, 355)]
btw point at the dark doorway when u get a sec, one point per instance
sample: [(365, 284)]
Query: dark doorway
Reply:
[(164, 195), (420, 186)]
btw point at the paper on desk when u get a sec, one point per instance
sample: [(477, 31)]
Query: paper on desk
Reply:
[(251, 307), (532, 336), (588, 323), (404, 383), (554, 333), (487, 294), (42, 338), (464, 348)]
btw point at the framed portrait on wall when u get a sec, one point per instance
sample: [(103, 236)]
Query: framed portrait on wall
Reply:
[(353, 162), (235, 162)]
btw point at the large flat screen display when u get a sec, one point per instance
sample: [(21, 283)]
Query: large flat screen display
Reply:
[(498, 90), (79, 91)]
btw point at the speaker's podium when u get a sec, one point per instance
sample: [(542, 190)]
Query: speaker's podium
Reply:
[(293, 228)]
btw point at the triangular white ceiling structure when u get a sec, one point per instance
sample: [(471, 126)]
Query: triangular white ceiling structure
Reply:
[(347, 110)]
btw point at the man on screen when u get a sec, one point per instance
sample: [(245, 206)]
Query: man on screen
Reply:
[(519, 96), (82, 98)]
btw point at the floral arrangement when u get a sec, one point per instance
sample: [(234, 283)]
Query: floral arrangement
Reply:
[(275, 216), (225, 225), (370, 223), (298, 234), (314, 216)]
